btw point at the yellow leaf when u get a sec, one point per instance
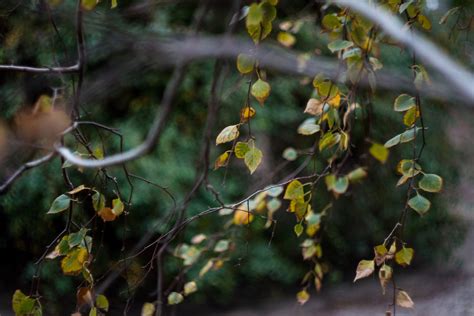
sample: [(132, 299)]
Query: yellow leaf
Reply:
[(379, 152), (410, 117), (242, 217), (113, 4), (294, 190), (148, 309), (364, 269), (190, 288), (221, 160), (302, 296), (286, 39), (247, 113), (88, 4), (335, 101), (404, 256), (74, 261)]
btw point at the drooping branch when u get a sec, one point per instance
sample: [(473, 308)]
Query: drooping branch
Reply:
[(426, 50)]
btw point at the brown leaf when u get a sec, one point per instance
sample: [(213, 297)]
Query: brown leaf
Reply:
[(364, 269), (84, 296), (314, 107), (404, 300), (107, 215)]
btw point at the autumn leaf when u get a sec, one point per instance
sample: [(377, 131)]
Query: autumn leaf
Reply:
[(302, 296), (107, 214), (260, 90), (404, 300), (314, 107), (404, 256), (253, 158), (364, 269), (222, 160), (74, 261), (228, 134)]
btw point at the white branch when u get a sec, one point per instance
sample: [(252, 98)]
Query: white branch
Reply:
[(427, 51)]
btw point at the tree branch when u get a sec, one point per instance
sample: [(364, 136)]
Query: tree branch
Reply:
[(427, 51), (40, 70)]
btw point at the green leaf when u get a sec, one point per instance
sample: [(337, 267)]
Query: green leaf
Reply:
[(420, 204), (241, 149), (22, 305), (298, 229), (60, 204), (308, 127), (98, 201), (175, 298), (357, 174), (341, 185), (245, 63), (228, 134), (403, 103), (260, 90), (331, 22), (275, 191), (222, 245), (273, 205), (338, 45), (253, 158), (392, 141), (364, 269), (290, 154), (404, 256), (379, 152), (102, 302), (431, 183), (76, 238), (294, 191), (409, 135)]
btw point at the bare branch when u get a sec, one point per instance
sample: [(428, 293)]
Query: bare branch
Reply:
[(40, 70), (23, 168)]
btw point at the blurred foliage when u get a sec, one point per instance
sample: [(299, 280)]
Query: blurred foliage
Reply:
[(357, 221)]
